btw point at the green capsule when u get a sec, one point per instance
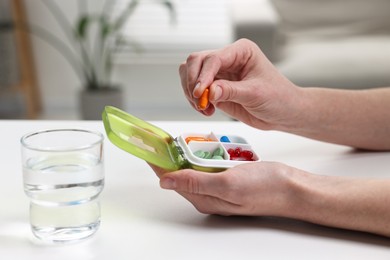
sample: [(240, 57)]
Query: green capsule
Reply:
[(199, 154), (218, 152), (207, 155), (217, 157)]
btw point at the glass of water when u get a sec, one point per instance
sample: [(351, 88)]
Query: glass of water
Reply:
[(63, 175)]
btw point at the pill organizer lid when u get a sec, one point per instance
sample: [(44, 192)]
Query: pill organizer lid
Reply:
[(141, 139)]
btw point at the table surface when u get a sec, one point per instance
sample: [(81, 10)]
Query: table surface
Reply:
[(142, 221)]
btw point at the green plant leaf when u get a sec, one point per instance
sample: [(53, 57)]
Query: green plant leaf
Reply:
[(171, 8), (121, 20), (82, 26), (105, 27), (92, 60)]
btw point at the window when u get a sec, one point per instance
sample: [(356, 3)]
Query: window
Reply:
[(200, 25)]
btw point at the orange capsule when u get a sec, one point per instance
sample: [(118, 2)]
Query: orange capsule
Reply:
[(194, 138), (197, 138), (204, 99)]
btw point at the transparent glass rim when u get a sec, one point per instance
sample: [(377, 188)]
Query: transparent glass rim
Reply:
[(25, 144)]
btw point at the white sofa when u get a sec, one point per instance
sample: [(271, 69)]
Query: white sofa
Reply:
[(332, 43)]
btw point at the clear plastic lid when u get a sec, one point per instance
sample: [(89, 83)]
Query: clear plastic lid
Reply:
[(142, 139)]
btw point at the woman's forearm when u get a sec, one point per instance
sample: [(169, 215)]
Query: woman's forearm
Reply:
[(358, 118), (357, 204)]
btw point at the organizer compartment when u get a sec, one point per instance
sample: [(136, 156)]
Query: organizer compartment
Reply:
[(232, 139), (208, 143), (209, 147), (196, 137), (243, 147)]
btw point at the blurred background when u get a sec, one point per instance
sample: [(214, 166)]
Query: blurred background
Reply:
[(67, 59)]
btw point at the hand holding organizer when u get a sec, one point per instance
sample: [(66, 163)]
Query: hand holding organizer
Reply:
[(159, 148)]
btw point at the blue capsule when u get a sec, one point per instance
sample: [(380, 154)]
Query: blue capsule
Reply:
[(224, 139)]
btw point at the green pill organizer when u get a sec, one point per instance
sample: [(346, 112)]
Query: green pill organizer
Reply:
[(154, 145)]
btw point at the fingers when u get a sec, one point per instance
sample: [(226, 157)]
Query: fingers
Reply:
[(159, 171), (197, 74), (211, 205), (208, 192), (204, 203), (188, 92), (190, 70), (240, 92), (211, 66), (202, 69), (194, 182), (189, 73)]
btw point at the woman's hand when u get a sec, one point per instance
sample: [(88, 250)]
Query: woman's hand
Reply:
[(243, 83), (275, 189), (248, 189)]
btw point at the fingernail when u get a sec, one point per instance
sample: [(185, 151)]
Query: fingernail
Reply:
[(217, 93), (196, 87), (168, 183)]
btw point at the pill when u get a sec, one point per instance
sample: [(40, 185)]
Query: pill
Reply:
[(204, 99), (237, 154), (224, 139), (247, 154), (197, 138), (199, 154), (207, 155), (218, 152)]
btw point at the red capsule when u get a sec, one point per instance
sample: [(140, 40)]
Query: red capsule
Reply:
[(247, 154), (237, 152)]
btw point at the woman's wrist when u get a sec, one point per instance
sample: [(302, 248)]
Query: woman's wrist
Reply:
[(293, 192), (357, 204), (293, 110)]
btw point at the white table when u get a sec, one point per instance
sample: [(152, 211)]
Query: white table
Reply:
[(142, 221)]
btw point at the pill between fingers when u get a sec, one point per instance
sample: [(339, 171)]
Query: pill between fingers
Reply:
[(204, 99)]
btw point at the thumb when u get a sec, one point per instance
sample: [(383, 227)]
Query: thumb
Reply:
[(241, 92), (191, 181)]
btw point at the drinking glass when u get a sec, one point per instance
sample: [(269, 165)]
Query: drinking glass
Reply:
[(63, 175)]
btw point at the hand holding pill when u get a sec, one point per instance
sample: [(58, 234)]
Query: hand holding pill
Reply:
[(245, 85)]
